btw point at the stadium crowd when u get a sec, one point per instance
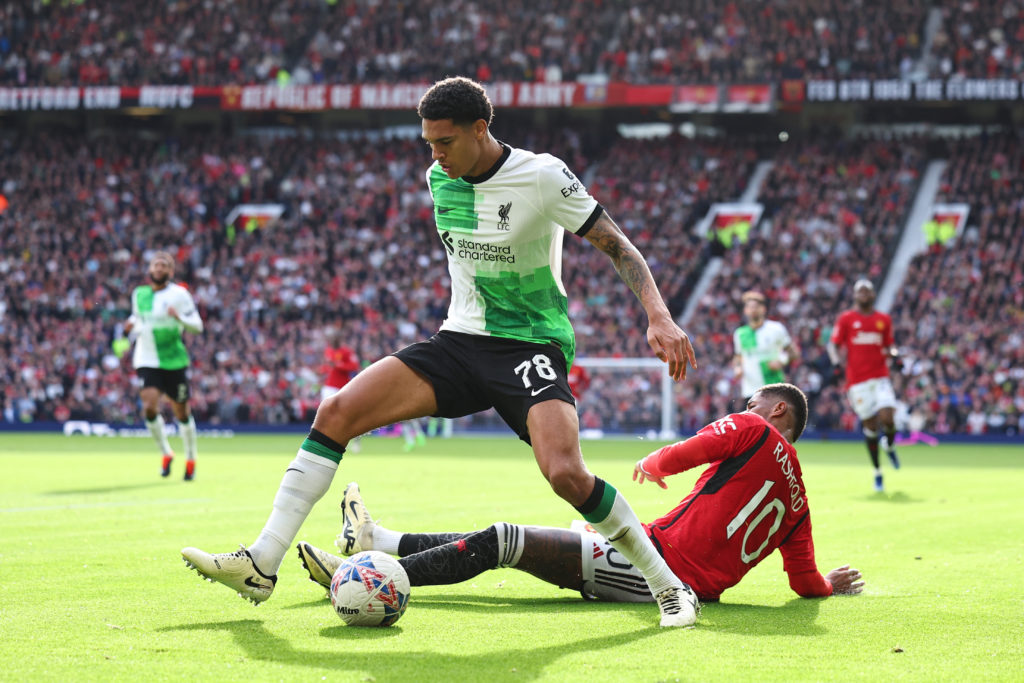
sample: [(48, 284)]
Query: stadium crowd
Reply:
[(834, 210), (100, 42), (354, 253), (980, 39), (960, 313), (354, 250)]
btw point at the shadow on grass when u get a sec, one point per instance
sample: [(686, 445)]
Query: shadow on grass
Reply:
[(795, 618), (894, 497), (251, 636), (496, 605), (109, 489)]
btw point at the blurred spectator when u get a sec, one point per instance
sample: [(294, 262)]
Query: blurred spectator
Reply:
[(198, 42), (980, 39), (961, 309), (834, 210)]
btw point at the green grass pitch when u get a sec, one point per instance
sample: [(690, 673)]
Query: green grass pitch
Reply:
[(92, 586)]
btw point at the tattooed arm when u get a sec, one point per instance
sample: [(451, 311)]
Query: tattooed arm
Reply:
[(669, 343)]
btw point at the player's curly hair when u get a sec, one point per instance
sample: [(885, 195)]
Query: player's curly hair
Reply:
[(460, 99), (795, 399)]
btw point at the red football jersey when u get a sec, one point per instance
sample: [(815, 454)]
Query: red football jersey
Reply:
[(750, 501), (865, 338), (579, 380), (341, 363)]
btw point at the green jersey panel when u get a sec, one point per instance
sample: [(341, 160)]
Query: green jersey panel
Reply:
[(503, 238), (756, 349), (158, 342)]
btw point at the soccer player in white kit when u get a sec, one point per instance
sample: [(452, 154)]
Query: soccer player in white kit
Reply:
[(762, 348), (161, 310), (507, 343)]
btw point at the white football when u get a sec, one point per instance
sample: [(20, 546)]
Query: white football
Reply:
[(370, 589)]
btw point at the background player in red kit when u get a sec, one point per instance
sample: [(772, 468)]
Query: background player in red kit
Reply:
[(864, 335), (579, 380), (341, 365), (750, 501)]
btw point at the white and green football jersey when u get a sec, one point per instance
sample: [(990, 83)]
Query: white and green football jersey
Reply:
[(157, 335), (756, 349), (503, 235)]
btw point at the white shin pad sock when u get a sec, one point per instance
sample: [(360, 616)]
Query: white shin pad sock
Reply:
[(187, 429), (156, 428), (624, 531), (304, 483)]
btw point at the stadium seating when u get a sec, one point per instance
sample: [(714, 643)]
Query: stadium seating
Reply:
[(316, 41), (834, 210), (980, 40), (960, 311), (355, 251)]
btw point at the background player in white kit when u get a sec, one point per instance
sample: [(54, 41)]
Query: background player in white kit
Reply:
[(762, 348), (507, 343), (160, 311)]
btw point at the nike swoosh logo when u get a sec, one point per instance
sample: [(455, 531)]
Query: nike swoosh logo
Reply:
[(441, 210), (350, 538), (253, 584), (294, 469), (537, 391)]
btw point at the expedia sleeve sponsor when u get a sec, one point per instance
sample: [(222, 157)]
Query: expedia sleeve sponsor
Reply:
[(565, 197), (482, 251)]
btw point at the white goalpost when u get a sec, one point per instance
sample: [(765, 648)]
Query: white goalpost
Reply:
[(643, 382)]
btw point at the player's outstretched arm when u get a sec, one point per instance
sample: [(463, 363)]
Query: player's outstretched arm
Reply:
[(845, 580), (640, 475), (672, 459), (668, 341)]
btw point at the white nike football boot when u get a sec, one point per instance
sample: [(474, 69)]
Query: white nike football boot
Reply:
[(356, 524), (320, 564), (679, 606), (235, 570)]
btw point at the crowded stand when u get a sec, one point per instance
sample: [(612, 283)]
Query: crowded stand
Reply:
[(656, 190), (834, 211), (354, 258), (959, 313), (276, 292), (355, 255), (980, 39), (269, 296), (196, 42)]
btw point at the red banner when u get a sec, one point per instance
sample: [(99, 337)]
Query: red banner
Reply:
[(562, 95), (706, 98), (748, 98)]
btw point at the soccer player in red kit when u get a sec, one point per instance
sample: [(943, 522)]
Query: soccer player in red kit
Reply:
[(865, 335), (342, 363), (579, 380), (748, 502)]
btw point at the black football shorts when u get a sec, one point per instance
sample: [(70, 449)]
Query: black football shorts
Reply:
[(471, 373), (174, 383)]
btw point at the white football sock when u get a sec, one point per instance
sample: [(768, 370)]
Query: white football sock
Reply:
[(187, 429), (156, 428), (305, 482), (511, 540), (385, 540), (624, 531)]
